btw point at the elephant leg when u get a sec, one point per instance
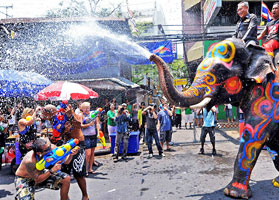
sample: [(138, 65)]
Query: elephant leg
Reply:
[(250, 147)]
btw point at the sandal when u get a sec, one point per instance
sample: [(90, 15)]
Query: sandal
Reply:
[(91, 172)]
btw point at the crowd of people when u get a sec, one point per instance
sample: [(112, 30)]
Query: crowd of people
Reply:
[(69, 121)]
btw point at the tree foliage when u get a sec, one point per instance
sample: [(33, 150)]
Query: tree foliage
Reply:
[(142, 27), (177, 69), (84, 8)]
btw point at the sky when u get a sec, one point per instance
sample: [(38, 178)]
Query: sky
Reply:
[(38, 8)]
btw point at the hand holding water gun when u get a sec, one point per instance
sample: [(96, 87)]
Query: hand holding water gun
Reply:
[(58, 154), (94, 115), (102, 139)]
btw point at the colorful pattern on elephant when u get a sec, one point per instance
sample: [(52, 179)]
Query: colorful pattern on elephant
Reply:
[(204, 83), (264, 110), (225, 51), (233, 85)]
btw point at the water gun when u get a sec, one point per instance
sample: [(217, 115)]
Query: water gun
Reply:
[(58, 154), (59, 120), (93, 115), (101, 137)]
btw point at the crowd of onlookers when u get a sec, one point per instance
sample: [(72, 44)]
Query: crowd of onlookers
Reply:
[(81, 121), (138, 119)]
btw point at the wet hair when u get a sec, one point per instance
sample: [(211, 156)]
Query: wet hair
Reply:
[(38, 144), (25, 112), (245, 3), (84, 105)]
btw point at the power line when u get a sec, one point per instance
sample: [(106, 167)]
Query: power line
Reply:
[(6, 7)]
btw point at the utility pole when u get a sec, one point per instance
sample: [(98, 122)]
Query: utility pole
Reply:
[(6, 13)]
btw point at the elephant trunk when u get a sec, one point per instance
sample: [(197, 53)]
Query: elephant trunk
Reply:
[(175, 97)]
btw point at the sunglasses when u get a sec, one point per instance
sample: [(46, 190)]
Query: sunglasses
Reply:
[(46, 150)]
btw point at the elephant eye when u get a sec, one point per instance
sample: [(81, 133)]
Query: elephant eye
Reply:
[(222, 74)]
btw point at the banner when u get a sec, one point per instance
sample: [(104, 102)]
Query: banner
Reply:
[(162, 49)]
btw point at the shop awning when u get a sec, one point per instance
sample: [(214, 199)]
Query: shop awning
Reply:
[(190, 3), (118, 83), (195, 52)]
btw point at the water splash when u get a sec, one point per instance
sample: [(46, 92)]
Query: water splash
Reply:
[(82, 31), (63, 50)]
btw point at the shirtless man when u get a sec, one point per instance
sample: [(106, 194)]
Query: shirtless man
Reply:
[(78, 164), (28, 177)]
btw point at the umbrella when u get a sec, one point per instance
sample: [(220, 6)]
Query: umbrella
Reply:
[(64, 90), (21, 84)]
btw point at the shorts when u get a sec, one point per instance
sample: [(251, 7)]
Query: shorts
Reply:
[(12, 127), (165, 136), (270, 46), (25, 187), (77, 164), (90, 141), (204, 132), (189, 118), (229, 113), (200, 116)]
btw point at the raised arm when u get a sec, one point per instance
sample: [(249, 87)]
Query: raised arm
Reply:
[(262, 34)]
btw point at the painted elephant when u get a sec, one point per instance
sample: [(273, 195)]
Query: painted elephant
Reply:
[(245, 77)]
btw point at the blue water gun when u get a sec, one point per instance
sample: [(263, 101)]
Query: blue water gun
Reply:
[(57, 154)]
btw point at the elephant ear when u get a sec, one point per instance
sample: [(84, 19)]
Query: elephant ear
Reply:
[(260, 64)]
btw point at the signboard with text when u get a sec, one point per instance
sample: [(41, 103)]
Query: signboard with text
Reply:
[(210, 10), (180, 82)]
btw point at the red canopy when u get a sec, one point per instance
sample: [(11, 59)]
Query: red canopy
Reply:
[(64, 90)]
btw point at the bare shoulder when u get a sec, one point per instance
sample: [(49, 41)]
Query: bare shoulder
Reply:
[(27, 167), (29, 157), (78, 117), (21, 122)]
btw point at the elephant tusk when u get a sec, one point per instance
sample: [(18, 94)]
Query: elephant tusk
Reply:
[(202, 104)]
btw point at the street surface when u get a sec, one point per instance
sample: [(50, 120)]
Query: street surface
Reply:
[(182, 174)]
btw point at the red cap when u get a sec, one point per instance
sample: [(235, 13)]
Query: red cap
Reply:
[(76, 141)]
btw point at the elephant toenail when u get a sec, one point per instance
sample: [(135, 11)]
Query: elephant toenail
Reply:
[(226, 191), (233, 193)]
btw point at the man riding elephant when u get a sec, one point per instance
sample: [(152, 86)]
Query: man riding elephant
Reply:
[(246, 28), (272, 28)]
